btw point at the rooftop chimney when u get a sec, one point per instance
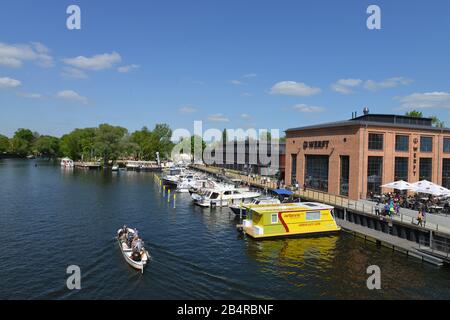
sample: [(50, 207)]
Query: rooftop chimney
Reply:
[(366, 111)]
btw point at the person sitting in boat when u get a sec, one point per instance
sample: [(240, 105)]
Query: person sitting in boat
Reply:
[(123, 231), (137, 248)]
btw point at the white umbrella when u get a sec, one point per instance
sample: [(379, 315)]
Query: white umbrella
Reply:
[(428, 187), (399, 185)]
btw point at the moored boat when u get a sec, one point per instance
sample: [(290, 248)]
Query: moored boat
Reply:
[(241, 208), (132, 248), (290, 219)]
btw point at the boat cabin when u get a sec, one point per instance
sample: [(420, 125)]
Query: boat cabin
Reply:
[(290, 219)]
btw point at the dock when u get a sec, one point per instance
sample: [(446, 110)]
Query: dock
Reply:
[(411, 249)]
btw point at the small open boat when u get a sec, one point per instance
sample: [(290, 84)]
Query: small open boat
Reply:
[(136, 259)]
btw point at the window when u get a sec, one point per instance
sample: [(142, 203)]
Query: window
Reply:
[(314, 215), (401, 169), (425, 169), (274, 218), (446, 173), (316, 172), (375, 141), (294, 169), (345, 175), (447, 145), (426, 144), (401, 143), (374, 174)]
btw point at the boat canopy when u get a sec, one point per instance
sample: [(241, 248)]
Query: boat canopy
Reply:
[(283, 192)]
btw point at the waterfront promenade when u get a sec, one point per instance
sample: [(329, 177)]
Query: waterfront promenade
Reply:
[(434, 222)]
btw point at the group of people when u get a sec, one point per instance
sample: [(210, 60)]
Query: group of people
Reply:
[(133, 241), (388, 208), (414, 202)]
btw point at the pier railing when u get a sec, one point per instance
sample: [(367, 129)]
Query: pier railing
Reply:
[(320, 196)]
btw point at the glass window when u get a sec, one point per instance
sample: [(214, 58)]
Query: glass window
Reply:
[(345, 175), (447, 145), (313, 215), (316, 172), (426, 144), (274, 218), (374, 174), (401, 143), (294, 169), (446, 173), (375, 141), (401, 169), (425, 169)]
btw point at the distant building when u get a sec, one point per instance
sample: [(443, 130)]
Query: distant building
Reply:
[(250, 157), (355, 157)]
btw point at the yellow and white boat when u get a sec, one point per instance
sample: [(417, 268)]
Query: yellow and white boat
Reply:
[(290, 219)]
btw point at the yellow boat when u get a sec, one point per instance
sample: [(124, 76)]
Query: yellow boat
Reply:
[(290, 219)]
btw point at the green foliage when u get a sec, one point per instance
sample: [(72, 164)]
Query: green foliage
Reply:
[(414, 113), (4, 144), (105, 142), (47, 146), (434, 120), (22, 142)]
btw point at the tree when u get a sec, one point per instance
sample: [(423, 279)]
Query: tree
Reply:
[(47, 146), (109, 142), (79, 144), (414, 113), (22, 142), (161, 138), (434, 120), (4, 144)]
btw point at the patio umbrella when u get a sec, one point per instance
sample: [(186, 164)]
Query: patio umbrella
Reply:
[(400, 185), (428, 187)]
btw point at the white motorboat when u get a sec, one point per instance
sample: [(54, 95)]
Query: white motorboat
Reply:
[(223, 197), (136, 256), (115, 167), (239, 210), (67, 163)]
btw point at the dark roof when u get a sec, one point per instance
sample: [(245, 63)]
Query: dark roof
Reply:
[(283, 192), (378, 120)]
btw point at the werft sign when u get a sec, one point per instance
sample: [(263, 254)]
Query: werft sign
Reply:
[(316, 144)]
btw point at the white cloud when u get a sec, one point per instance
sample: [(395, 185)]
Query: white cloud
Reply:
[(14, 55), (385, 84), (249, 75), (188, 109), (292, 88), (346, 86), (236, 82), (426, 100), (6, 83), (31, 95), (129, 68), (71, 96), (97, 62), (246, 116), (74, 73), (218, 117), (308, 109)]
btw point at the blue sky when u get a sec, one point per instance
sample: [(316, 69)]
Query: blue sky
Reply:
[(233, 64)]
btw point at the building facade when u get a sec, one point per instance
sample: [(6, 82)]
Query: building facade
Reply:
[(250, 158), (355, 157)]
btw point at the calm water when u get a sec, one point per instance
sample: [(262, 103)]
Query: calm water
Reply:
[(52, 218)]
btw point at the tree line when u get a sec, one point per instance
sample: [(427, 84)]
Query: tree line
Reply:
[(105, 142)]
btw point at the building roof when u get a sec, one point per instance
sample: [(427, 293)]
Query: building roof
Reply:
[(385, 120)]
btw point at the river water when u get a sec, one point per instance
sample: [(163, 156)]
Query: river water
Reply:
[(51, 218)]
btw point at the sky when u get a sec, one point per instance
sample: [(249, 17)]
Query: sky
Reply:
[(231, 64)]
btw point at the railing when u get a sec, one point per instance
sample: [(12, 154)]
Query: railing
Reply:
[(439, 247)]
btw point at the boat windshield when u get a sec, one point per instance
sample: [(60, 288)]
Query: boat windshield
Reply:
[(214, 195)]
